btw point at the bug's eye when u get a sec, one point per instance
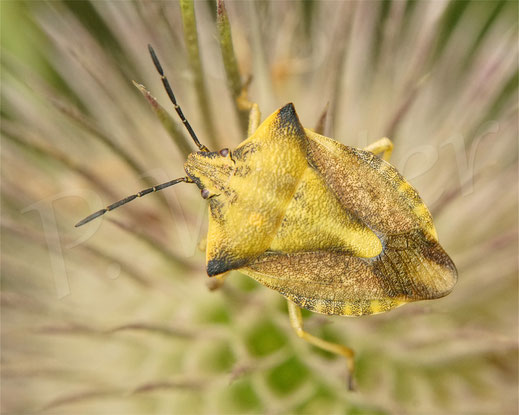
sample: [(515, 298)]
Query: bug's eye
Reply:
[(205, 193), (224, 152)]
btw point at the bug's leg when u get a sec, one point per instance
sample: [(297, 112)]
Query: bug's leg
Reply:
[(246, 105), (296, 321), (254, 119), (384, 145), (202, 244), (217, 281)]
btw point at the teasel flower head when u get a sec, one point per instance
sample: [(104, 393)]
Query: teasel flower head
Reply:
[(117, 317)]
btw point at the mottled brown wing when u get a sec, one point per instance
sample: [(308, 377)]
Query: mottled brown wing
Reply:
[(368, 187), (412, 266)]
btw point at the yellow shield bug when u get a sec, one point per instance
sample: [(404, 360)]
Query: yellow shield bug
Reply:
[(334, 229)]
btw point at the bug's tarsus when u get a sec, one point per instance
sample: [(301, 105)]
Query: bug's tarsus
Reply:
[(171, 95), (130, 198)]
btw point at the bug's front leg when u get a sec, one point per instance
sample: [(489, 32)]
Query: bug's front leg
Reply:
[(296, 321), (217, 281), (254, 119), (384, 145), (246, 105)]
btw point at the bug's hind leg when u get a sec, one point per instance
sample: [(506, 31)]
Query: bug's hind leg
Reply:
[(296, 321), (384, 145)]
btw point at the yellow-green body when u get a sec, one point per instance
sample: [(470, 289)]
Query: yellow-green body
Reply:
[(334, 229)]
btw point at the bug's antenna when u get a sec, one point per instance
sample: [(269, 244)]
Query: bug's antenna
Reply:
[(130, 198), (171, 95)]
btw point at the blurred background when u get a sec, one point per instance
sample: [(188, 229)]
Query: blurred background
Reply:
[(117, 317)]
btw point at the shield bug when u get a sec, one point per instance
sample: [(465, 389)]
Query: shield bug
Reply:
[(334, 229)]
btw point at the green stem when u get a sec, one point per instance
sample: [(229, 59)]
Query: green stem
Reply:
[(187, 9), (230, 63)]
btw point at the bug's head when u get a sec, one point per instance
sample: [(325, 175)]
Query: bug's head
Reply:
[(210, 171)]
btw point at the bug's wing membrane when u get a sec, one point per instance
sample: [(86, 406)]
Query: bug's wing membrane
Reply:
[(268, 167), (355, 276), (412, 267)]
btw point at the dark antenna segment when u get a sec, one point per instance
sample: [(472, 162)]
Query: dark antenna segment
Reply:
[(153, 189), (130, 198), (171, 95), (144, 192)]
